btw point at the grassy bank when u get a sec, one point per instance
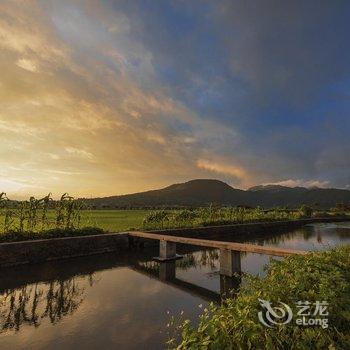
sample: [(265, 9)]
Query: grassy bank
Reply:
[(16, 236), (321, 276)]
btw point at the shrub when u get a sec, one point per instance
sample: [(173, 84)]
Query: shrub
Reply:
[(214, 215), (156, 219), (315, 277), (306, 211), (183, 218)]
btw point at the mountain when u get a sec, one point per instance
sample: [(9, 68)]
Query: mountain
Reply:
[(323, 198), (191, 193), (204, 192)]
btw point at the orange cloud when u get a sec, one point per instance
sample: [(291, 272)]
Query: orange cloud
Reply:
[(231, 170)]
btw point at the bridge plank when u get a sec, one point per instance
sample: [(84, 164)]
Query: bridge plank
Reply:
[(242, 247)]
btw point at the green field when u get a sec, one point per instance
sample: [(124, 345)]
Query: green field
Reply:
[(114, 220)]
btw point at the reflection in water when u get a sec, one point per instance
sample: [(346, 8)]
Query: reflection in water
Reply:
[(166, 272), (229, 286), (310, 237), (205, 258), (30, 304), (60, 305)]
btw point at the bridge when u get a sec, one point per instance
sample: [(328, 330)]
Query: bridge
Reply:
[(230, 252)]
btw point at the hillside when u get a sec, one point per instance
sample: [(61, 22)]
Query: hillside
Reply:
[(203, 192)]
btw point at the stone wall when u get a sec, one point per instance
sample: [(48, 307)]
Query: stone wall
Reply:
[(26, 252)]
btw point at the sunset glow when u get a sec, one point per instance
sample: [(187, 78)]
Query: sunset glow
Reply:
[(99, 98)]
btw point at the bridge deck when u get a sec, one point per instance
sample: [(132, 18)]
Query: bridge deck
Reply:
[(242, 247)]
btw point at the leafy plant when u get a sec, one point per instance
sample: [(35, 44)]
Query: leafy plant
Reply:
[(315, 277)]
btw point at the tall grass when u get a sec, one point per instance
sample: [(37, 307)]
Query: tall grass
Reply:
[(38, 215)]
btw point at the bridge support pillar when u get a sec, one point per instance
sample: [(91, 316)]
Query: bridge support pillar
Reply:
[(167, 251), (230, 262)]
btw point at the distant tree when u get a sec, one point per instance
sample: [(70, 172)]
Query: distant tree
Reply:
[(306, 211), (341, 207)]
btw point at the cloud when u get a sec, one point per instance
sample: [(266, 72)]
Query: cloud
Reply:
[(53, 156), (231, 170), (10, 185), (28, 33), (27, 65), (85, 99), (302, 183), (79, 153), (264, 71), (156, 138)]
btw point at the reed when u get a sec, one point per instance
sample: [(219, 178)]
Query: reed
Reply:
[(38, 215)]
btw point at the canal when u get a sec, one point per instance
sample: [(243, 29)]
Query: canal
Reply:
[(123, 302)]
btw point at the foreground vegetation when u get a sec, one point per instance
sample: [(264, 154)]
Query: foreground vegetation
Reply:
[(318, 276)]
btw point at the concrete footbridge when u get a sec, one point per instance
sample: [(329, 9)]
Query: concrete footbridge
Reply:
[(230, 252)]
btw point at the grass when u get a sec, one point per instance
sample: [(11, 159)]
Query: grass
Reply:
[(318, 276), (114, 220)]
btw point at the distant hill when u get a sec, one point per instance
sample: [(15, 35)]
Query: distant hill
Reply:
[(204, 192)]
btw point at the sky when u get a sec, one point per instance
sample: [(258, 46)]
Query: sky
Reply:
[(112, 97)]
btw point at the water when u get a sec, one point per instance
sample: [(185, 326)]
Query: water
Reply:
[(118, 302)]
